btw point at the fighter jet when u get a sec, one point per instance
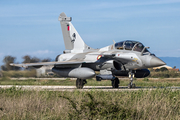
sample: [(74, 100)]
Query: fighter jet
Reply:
[(126, 58)]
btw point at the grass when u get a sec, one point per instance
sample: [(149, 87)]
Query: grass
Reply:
[(164, 74), (149, 104), (51, 105), (145, 82), (17, 74)]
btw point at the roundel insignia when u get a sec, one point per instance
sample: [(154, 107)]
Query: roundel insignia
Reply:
[(99, 56)]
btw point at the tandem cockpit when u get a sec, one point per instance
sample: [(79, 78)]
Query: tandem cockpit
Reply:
[(131, 45)]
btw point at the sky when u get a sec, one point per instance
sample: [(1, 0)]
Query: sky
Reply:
[(32, 27)]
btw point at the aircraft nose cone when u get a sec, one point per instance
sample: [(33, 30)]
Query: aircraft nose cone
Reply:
[(155, 62)]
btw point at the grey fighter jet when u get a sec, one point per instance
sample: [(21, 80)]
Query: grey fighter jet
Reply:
[(126, 58)]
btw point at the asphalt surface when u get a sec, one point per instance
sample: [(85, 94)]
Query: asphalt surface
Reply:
[(85, 88)]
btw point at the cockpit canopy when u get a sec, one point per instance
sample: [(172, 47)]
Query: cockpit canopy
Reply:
[(130, 45)]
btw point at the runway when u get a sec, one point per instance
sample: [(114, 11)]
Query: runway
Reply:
[(85, 88)]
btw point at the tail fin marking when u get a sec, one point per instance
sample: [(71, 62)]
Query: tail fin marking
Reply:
[(72, 39)]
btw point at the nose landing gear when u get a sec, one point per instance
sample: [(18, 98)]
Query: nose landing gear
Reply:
[(131, 77)]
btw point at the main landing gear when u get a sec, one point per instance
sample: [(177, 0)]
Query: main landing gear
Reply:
[(131, 77), (80, 83), (115, 82)]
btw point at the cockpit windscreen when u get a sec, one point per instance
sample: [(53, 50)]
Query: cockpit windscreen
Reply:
[(119, 45), (130, 45), (139, 47)]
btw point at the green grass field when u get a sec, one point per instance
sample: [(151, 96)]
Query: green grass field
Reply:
[(145, 82), (17, 104), (157, 104)]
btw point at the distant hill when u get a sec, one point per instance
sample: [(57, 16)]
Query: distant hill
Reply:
[(171, 61)]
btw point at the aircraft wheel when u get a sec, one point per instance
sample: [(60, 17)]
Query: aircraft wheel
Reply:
[(131, 86), (80, 83), (115, 83)]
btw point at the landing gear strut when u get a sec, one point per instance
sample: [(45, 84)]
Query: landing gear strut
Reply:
[(80, 83), (131, 77), (115, 82)]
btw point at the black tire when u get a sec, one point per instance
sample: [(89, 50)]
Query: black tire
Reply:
[(131, 86), (80, 83), (115, 83)]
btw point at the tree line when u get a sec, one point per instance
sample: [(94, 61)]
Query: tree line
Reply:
[(26, 59)]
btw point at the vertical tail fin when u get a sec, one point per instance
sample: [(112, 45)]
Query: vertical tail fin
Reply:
[(72, 39)]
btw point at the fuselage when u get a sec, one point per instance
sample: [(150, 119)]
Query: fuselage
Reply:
[(113, 56)]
